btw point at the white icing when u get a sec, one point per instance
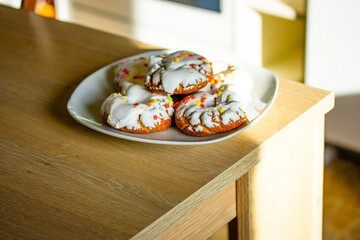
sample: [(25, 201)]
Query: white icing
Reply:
[(222, 102), (149, 109), (179, 68)]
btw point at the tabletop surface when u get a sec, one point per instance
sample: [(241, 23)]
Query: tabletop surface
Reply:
[(59, 178)]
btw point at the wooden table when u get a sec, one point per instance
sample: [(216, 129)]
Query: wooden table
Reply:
[(60, 180)]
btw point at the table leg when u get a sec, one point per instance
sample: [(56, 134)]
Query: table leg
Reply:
[(281, 197)]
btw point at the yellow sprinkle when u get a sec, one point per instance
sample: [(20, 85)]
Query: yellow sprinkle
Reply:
[(198, 103), (222, 110), (175, 59), (123, 99), (170, 100), (212, 82), (228, 97), (222, 88), (203, 96), (154, 101), (219, 93), (115, 70), (108, 117), (124, 93)]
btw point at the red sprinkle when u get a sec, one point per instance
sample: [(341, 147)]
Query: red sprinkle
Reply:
[(201, 58), (145, 64), (176, 104), (193, 97), (202, 105), (167, 105), (192, 65), (136, 104), (155, 117), (142, 58), (202, 100), (137, 77)]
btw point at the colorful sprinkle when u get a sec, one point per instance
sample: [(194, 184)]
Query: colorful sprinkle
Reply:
[(154, 101), (202, 105), (144, 58), (192, 65), (219, 93), (170, 100), (108, 117), (123, 99), (222, 110), (115, 70), (167, 105), (122, 76), (201, 58), (176, 104), (222, 88), (124, 93), (149, 104), (155, 117), (228, 97), (193, 97), (197, 103), (136, 104)]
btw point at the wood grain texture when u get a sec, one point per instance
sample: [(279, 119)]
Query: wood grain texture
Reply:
[(60, 180), (209, 218), (286, 186)]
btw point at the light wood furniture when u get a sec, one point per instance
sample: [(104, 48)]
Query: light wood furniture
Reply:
[(60, 180)]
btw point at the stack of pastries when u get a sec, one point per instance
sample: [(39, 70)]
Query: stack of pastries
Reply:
[(209, 100)]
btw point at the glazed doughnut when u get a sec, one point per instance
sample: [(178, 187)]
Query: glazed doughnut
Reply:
[(181, 72), (133, 108), (219, 107), (133, 71)]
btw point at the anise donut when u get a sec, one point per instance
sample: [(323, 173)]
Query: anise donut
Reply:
[(181, 72), (219, 107), (133, 108)]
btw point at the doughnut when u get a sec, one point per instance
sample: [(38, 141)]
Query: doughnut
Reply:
[(133, 108), (133, 71), (181, 72), (221, 106)]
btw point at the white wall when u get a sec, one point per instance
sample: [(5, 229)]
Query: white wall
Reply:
[(333, 45)]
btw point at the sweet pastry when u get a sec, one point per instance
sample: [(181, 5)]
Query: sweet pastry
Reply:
[(218, 107), (133, 71), (181, 72), (133, 108)]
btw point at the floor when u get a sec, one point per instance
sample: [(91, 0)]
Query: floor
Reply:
[(341, 197)]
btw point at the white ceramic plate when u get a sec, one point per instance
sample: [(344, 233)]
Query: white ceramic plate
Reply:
[(85, 102)]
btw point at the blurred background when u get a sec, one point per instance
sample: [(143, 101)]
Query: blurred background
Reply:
[(310, 41)]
